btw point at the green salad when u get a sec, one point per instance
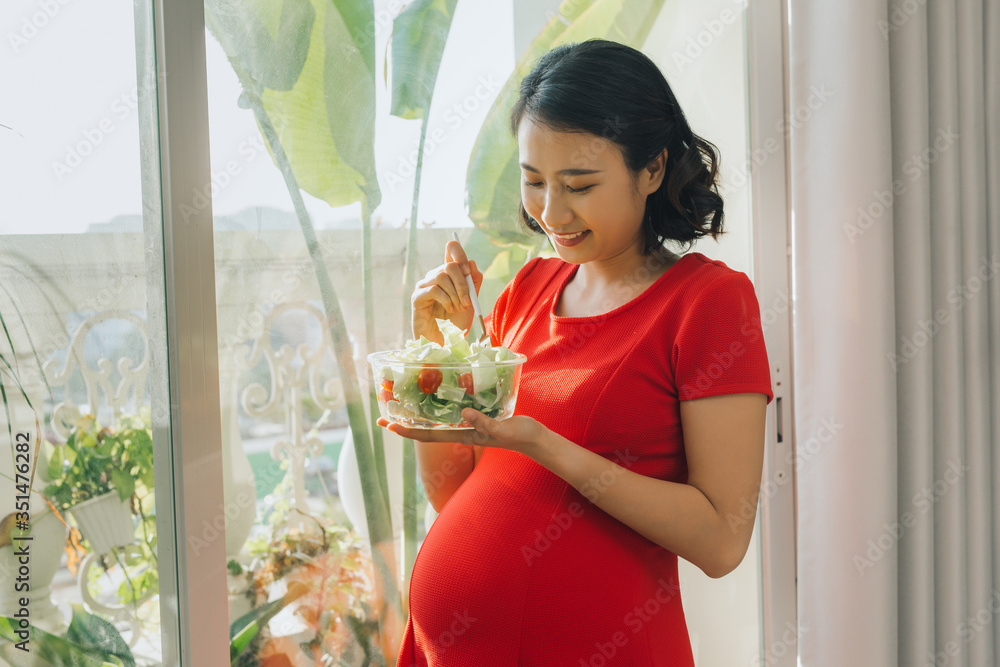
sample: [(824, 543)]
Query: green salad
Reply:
[(439, 393)]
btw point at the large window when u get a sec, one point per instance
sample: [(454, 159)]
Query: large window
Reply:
[(339, 146), (81, 565)]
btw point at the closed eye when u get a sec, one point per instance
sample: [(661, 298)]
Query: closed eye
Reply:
[(573, 190)]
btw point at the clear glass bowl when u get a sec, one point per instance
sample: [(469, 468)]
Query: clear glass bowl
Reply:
[(432, 395)]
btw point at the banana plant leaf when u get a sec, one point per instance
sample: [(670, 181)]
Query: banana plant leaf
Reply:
[(492, 179), (309, 64), (90, 641), (266, 36), (419, 35)]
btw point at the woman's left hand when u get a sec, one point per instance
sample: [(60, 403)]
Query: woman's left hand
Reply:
[(519, 433)]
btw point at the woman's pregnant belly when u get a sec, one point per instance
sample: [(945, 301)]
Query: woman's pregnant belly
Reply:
[(520, 569)]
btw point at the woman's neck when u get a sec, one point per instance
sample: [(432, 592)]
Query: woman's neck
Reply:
[(630, 268)]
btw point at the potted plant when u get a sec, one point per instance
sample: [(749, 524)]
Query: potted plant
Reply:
[(326, 579), (101, 474)]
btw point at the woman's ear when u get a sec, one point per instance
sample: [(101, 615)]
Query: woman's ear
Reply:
[(654, 173)]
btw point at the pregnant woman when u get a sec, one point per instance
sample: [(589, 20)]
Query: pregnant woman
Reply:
[(638, 435)]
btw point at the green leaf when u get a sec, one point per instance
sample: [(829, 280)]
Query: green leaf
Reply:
[(87, 629), (419, 35), (493, 176), (270, 39), (123, 482), (90, 642), (54, 468), (325, 120), (63, 497), (246, 627)]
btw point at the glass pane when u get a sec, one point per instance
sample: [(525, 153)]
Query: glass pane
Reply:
[(320, 163), (291, 356), (77, 348)]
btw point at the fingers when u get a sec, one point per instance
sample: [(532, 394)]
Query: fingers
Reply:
[(477, 275), (439, 289), (453, 252), (452, 290), (461, 284)]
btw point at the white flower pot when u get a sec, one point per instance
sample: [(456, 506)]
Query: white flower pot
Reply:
[(105, 521), (349, 482)]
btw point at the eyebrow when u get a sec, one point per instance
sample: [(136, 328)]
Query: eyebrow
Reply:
[(567, 172)]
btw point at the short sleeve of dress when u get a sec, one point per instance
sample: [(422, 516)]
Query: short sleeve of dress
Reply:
[(719, 347), (496, 319)]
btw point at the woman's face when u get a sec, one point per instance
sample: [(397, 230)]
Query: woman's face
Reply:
[(574, 183)]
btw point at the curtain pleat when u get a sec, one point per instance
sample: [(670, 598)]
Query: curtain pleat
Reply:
[(991, 86), (914, 376), (977, 275), (947, 345), (907, 493)]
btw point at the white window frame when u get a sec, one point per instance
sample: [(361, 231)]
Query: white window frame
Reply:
[(189, 488), (767, 45)]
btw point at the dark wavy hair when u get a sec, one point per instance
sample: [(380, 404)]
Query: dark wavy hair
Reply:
[(613, 91)]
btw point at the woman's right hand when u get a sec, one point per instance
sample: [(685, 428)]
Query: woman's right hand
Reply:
[(444, 294)]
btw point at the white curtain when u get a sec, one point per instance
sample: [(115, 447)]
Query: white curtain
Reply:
[(895, 197)]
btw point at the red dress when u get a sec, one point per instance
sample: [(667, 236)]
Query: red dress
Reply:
[(520, 568)]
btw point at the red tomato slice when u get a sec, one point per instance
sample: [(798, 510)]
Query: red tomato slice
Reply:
[(465, 382), (385, 396), (429, 379), (387, 384)]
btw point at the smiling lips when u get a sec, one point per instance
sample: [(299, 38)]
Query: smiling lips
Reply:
[(570, 239)]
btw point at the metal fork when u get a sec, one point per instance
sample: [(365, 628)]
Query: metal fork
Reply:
[(485, 339)]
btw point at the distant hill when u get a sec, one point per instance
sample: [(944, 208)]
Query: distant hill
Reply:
[(257, 218)]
